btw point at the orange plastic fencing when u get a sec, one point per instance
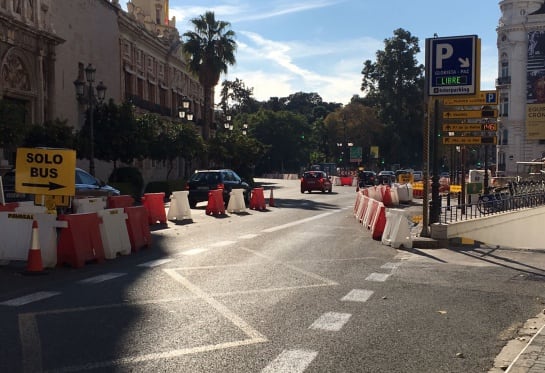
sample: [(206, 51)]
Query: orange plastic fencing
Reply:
[(138, 227), (215, 205), (155, 204), (122, 201), (80, 242), (257, 202)]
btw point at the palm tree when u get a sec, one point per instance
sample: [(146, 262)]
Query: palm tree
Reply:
[(210, 49)]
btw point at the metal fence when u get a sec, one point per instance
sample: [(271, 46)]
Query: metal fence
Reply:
[(494, 203)]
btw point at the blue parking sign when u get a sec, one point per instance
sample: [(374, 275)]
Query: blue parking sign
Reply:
[(451, 63)]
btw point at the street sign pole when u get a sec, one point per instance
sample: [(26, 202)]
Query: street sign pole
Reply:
[(435, 208)]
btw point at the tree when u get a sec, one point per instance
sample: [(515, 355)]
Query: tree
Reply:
[(53, 134), (211, 49), (13, 126), (236, 97), (394, 85), (286, 135)]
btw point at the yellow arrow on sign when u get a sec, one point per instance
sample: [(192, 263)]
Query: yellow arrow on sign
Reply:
[(462, 114)]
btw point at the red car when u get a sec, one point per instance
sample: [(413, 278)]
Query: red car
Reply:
[(316, 180)]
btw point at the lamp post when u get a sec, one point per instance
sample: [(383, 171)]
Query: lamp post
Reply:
[(184, 111), (228, 125), (86, 95)]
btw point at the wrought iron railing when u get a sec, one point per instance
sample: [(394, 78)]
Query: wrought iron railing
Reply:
[(519, 196)]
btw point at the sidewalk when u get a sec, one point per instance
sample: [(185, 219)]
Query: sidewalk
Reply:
[(526, 353)]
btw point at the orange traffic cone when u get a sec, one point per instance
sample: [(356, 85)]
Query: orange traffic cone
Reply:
[(34, 262), (271, 199)]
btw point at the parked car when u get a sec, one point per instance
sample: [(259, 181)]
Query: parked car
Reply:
[(89, 186), (203, 181), (86, 185), (316, 180), (367, 178), (10, 195), (386, 177)]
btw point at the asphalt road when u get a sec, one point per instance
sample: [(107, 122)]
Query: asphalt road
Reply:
[(300, 287)]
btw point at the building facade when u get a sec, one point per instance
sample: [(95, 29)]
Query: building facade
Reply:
[(137, 55), (27, 59), (521, 84)]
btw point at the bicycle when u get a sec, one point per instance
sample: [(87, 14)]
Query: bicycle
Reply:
[(494, 200)]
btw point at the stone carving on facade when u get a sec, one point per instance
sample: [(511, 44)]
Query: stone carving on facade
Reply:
[(14, 74)]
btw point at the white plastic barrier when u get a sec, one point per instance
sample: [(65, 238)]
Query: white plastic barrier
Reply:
[(405, 192), (396, 231), (114, 233), (179, 206), (236, 201), (394, 192), (30, 208), (16, 235), (84, 205)]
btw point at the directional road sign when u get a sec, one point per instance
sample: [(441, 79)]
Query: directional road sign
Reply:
[(481, 98), (469, 127), (468, 114), (451, 65), (470, 140), (46, 171)]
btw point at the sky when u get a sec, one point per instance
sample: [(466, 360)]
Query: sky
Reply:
[(320, 46)]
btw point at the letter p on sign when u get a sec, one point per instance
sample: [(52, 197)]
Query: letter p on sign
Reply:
[(444, 52)]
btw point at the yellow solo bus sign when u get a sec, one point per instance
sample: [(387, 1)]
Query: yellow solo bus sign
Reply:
[(45, 171)]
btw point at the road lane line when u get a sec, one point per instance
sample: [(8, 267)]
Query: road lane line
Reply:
[(291, 361), (331, 321), (357, 295), (297, 222), (248, 236), (378, 277), (154, 263), (101, 278), (219, 307), (34, 297), (193, 252), (389, 265)]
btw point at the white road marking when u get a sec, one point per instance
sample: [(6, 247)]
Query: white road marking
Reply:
[(297, 222), (154, 263), (101, 278), (193, 252), (331, 321), (291, 361), (248, 236), (358, 295), (34, 297), (223, 310), (379, 277), (392, 266), (222, 243)]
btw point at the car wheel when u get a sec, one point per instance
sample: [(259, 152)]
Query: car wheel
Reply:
[(302, 191), (192, 204)]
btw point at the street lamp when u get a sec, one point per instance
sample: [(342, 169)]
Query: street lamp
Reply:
[(86, 95), (228, 125), (183, 109)]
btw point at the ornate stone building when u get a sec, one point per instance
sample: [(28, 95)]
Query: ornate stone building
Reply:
[(27, 60), (521, 83), (46, 44)]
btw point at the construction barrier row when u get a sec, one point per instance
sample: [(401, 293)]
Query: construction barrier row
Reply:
[(372, 209), (99, 228)]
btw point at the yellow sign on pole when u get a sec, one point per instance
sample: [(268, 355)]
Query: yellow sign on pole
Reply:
[(46, 171), (470, 140), (467, 114), (469, 127), (481, 98)]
